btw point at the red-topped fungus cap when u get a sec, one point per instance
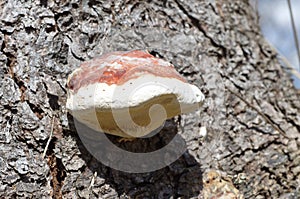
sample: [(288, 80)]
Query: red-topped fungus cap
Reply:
[(129, 93)]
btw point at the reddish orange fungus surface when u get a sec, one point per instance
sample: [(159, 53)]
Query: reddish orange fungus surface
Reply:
[(119, 67)]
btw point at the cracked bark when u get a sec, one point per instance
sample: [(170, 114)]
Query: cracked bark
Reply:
[(214, 44)]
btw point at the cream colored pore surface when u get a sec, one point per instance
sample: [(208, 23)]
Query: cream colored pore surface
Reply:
[(134, 108)]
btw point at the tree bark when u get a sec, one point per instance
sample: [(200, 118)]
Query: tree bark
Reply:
[(251, 111)]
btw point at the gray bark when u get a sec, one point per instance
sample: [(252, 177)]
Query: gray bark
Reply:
[(217, 45)]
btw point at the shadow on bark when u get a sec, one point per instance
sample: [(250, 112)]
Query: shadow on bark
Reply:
[(182, 178)]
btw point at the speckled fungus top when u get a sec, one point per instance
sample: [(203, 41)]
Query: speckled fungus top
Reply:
[(119, 67), (116, 92)]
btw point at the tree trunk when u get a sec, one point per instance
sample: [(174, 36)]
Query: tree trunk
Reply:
[(251, 111)]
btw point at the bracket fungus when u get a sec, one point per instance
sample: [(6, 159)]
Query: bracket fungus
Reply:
[(129, 93)]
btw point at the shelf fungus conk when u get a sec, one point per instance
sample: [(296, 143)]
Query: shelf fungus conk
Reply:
[(129, 93)]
